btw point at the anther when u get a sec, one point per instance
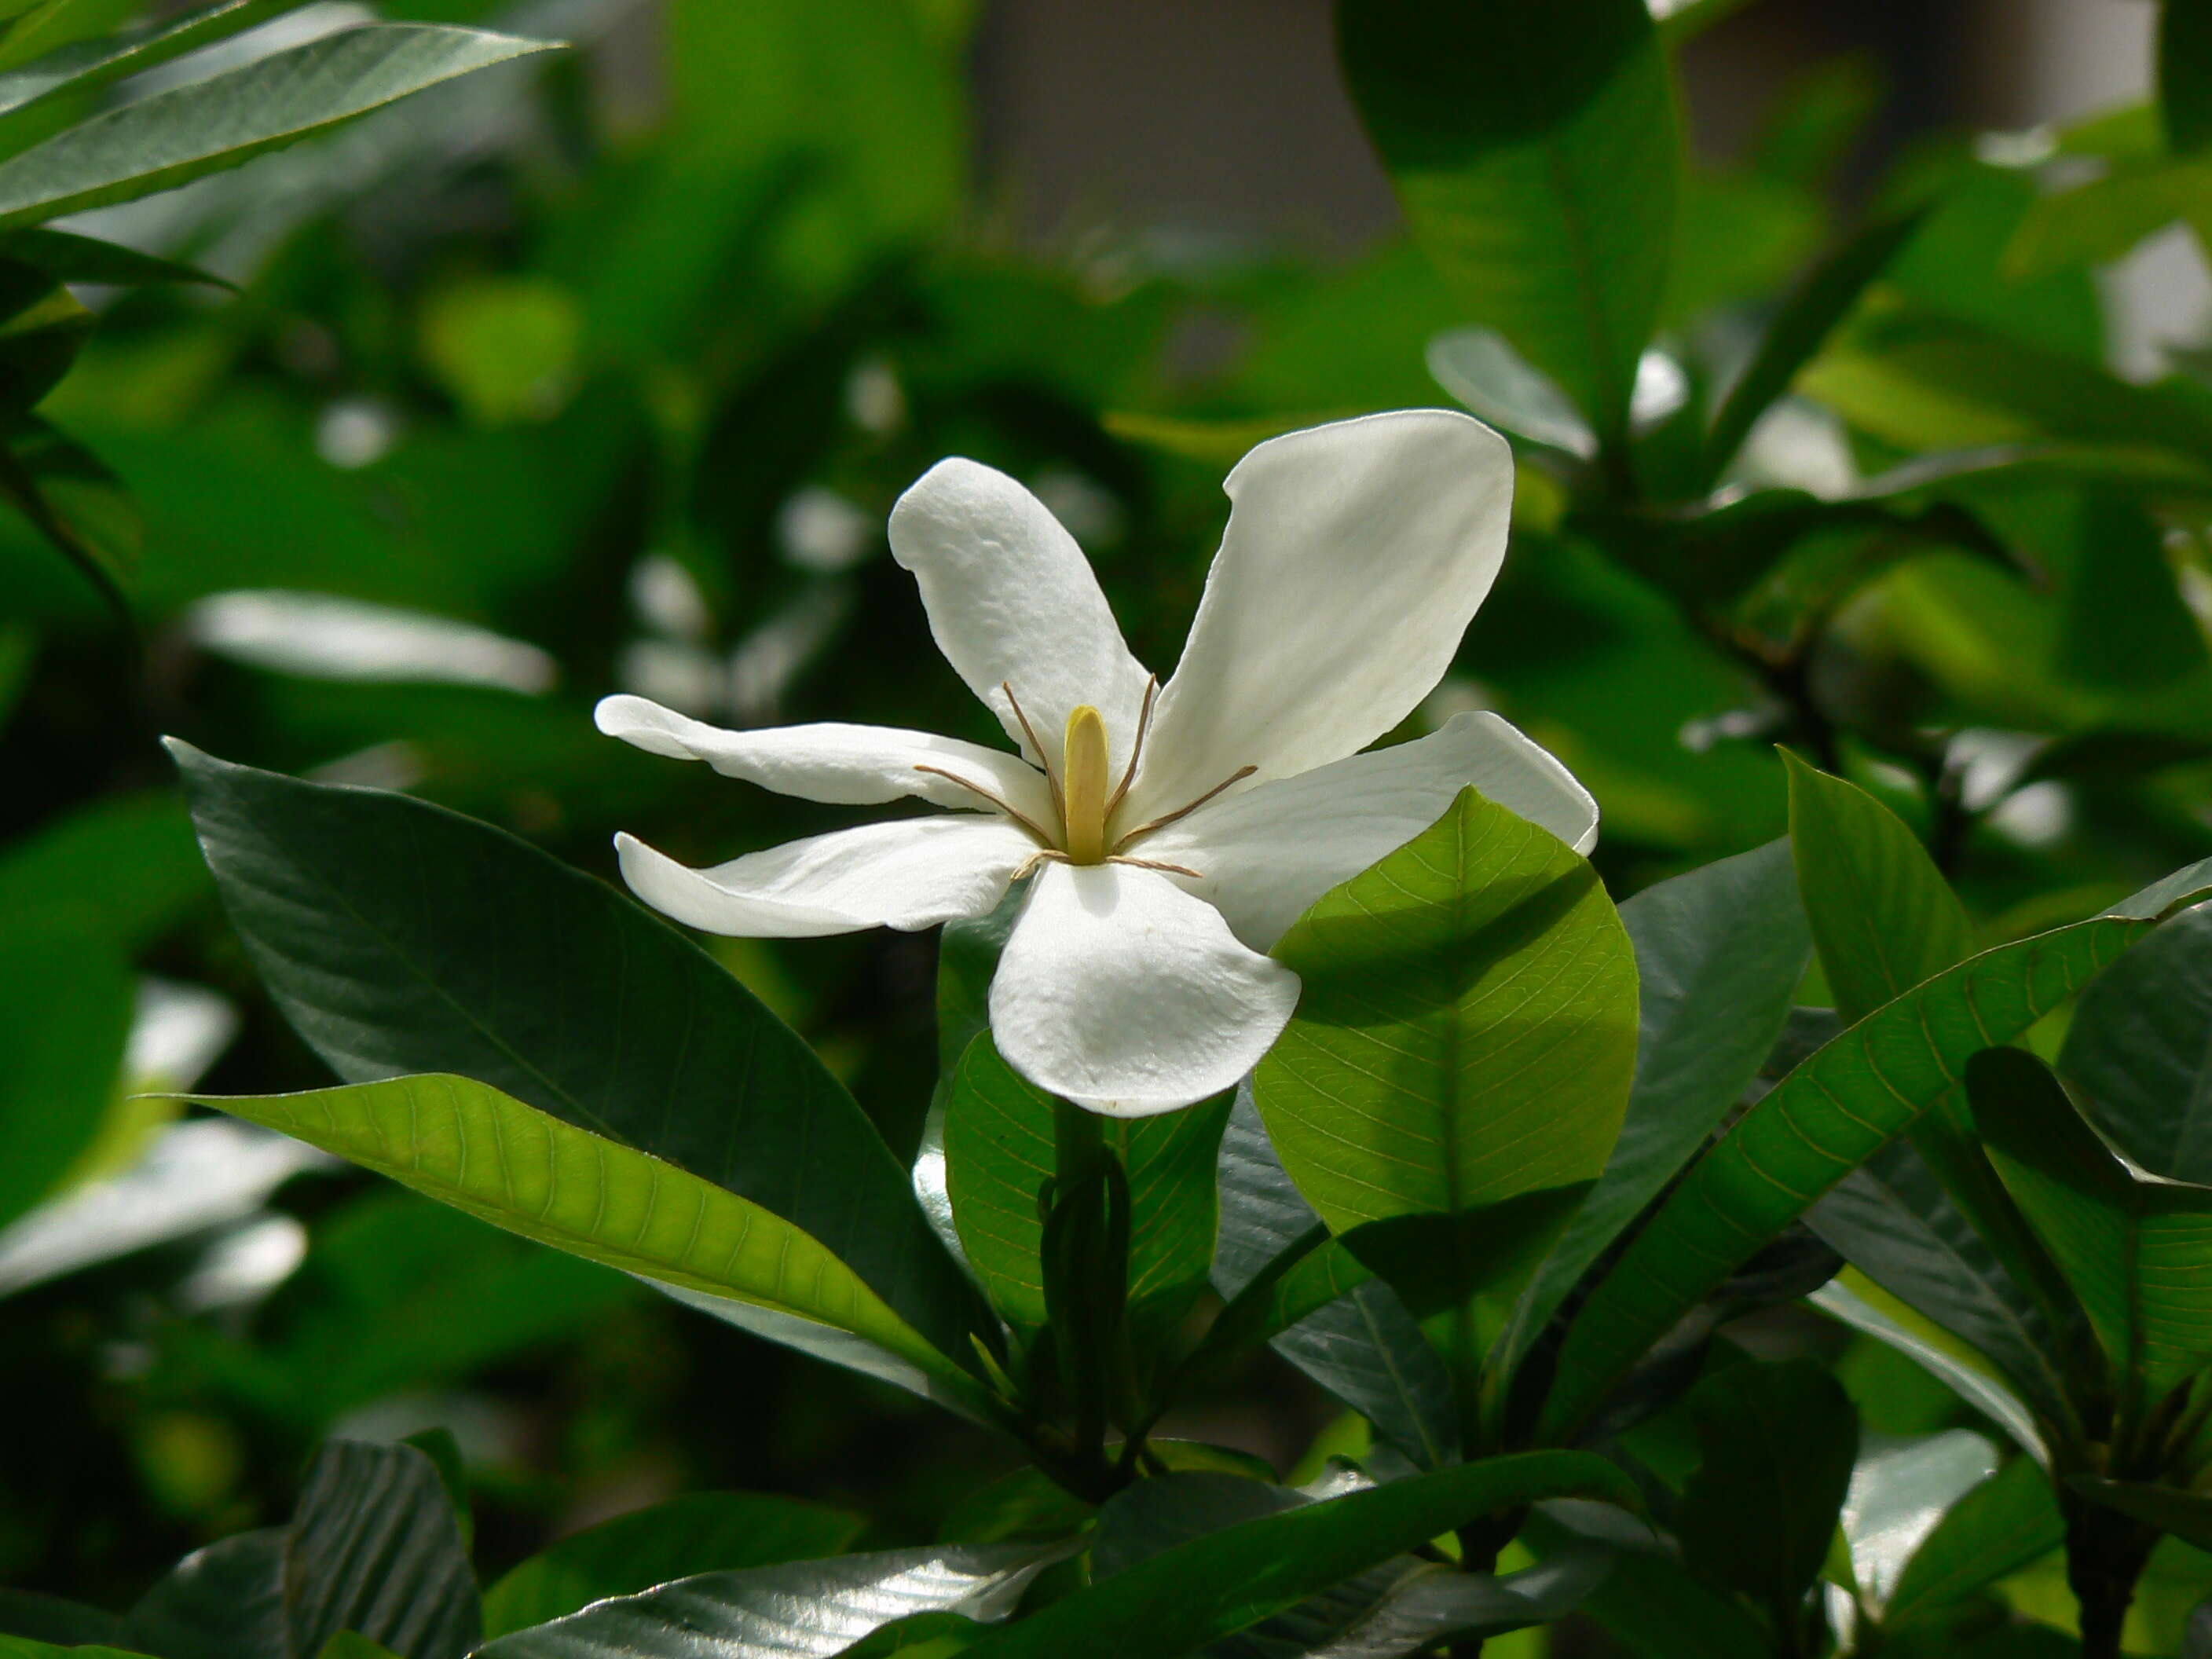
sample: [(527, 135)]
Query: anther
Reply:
[(1084, 808)]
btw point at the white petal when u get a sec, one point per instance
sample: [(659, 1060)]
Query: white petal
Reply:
[(847, 765), (1266, 854), (1011, 600), (1355, 556), (908, 874), (1118, 991)]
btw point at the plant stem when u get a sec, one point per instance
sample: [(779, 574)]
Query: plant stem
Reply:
[(2106, 1554)]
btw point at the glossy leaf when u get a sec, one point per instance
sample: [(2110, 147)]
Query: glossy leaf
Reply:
[(2000, 1527), (679, 1538), (1801, 328), (1827, 1117), (400, 938), (1464, 1043), (172, 137), (1213, 1586), (34, 61), (465, 1143), (374, 1548), (998, 1154), (798, 1610), (1900, 1490), (2138, 1253), (1364, 1348), (2140, 1046), (1477, 367), (1777, 1443), (1719, 953), (225, 1602), (1535, 149), (1863, 1306)]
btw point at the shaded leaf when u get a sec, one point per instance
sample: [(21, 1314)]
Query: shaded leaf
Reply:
[(225, 1602), (1535, 149), (1900, 1491), (2186, 1515), (2141, 1048), (680, 1537), (2000, 1527), (374, 1548), (172, 137), (65, 1004)]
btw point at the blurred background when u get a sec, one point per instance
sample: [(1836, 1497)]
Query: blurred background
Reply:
[(602, 373)]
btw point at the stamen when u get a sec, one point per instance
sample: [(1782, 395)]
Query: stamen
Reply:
[(1165, 819), (1144, 725), (1045, 757), (1154, 864), (1083, 815), (1036, 833)]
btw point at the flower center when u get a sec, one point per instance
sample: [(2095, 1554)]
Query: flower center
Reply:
[(1085, 789)]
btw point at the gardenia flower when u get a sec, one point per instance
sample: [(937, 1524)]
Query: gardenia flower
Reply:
[(1173, 832)]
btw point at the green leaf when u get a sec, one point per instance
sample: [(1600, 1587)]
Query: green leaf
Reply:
[(2097, 222), (795, 1611), (374, 1548), (465, 1143), (2186, 1515), (40, 1618), (1719, 952), (2001, 1526), (1364, 1348), (68, 258), (1882, 915), (700, 1532), (348, 1645), (1808, 317), (2184, 75), (225, 1602), (1892, 1221), (998, 1154), (65, 1004), (1778, 1442), (1213, 1586), (34, 63), (1859, 1303), (1535, 147), (400, 938), (72, 499), (1387, 1610), (1461, 1052), (1831, 1113), (1477, 367), (2141, 1050), (2138, 1253), (175, 136), (20, 1647), (1900, 1489)]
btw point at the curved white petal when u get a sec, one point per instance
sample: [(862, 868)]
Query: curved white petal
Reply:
[(847, 765), (1011, 600), (908, 874), (1266, 854), (1118, 991), (1355, 556)]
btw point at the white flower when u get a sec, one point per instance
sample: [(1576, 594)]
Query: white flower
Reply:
[(1174, 831)]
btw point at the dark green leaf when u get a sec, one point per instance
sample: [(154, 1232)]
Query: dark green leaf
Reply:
[(1827, 1117), (998, 1154), (701, 1532), (1364, 1348), (467, 1145), (2141, 1050), (1802, 327), (1535, 147), (2185, 74), (73, 501), (2000, 1527), (799, 1610), (36, 62), (175, 136), (1865, 1307), (1475, 992), (67, 257), (226, 1601), (1719, 952), (2186, 1515), (374, 1548), (64, 1011), (399, 937), (50, 1619), (2138, 1253), (1777, 1443), (1199, 1592)]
